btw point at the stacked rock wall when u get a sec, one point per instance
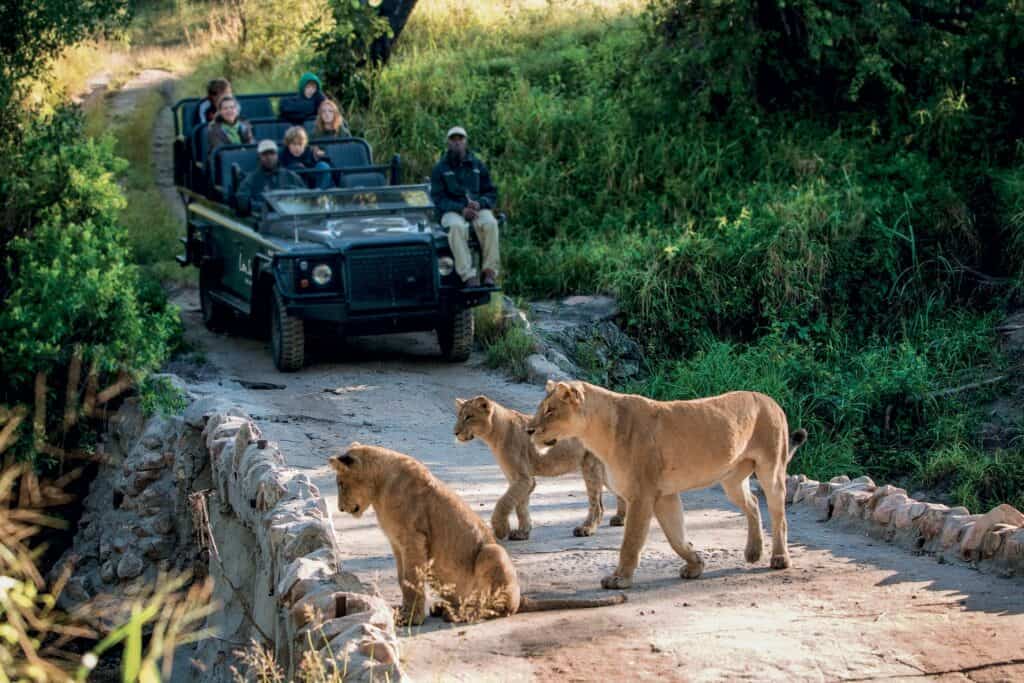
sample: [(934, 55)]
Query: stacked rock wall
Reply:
[(274, 560), (992, 541)]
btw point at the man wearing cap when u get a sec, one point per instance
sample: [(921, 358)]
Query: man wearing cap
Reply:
[(269, 176), (461, 188)]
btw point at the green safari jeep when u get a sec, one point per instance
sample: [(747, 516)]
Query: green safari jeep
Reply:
[(355, 261)]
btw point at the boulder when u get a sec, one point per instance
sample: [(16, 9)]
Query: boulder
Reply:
[(130, 565)]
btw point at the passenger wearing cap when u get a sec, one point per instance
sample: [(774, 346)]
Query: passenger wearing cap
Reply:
[(462, 191), (269, 176)]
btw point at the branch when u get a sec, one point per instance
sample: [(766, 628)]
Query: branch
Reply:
[(71, 400), (14, 419)]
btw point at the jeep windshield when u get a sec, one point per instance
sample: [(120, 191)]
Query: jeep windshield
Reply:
[(343, 201)]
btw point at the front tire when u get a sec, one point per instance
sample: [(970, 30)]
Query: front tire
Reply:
[(287, 336), (455, 336)]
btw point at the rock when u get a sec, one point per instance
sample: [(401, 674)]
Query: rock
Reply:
[(884, 510), (1002, 514), (303, 570), (108, 572), (156, 548), (841, 479), (539, 370), (151, 460), (511, 316), (130, 566), (198, 411), (932, 520)]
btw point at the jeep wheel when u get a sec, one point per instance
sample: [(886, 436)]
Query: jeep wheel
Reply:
[(455, 335), (215, 314), (287, 336)]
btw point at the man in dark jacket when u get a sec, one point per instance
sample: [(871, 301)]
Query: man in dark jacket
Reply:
[(269, 176), (462, 191)]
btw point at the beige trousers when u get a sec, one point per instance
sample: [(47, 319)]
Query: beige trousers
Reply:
[(486, 226)]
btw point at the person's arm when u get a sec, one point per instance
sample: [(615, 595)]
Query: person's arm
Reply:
[(439, 194), (246, 132), (488, 192)]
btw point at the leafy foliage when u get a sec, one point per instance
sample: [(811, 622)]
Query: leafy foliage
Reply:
[(343, 49)]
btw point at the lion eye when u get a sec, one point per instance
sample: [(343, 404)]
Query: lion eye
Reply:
[(549, 411)]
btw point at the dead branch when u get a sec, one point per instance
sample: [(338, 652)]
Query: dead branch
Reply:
[(92, 385), (14, 419), (39, 420), (123, 384), (71, 400), (966, 387)]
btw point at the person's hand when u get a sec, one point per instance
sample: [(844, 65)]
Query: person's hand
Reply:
[(319, 152), (475, 205), (469, 214)]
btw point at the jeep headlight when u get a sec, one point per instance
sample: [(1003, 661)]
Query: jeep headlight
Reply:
[(322, 274), (445, 265)]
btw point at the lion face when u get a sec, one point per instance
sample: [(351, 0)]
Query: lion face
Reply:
[(558, 415), (473, 417), (354, 488)]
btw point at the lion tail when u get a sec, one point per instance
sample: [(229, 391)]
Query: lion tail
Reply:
[(528, 604), (796, 440)]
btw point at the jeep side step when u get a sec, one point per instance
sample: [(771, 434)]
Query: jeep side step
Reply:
[(231, 300)]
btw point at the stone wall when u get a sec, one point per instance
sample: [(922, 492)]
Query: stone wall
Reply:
[(993, 541), (263, 533), (274, 559)]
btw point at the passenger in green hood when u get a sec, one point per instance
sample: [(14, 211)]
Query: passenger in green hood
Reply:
[(307, 103)]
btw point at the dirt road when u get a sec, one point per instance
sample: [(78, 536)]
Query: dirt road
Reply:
[(850, 609)]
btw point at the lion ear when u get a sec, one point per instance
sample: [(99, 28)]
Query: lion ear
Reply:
[(459, 402), (482, 402), (570, 392), (550, 386), (339, 463)]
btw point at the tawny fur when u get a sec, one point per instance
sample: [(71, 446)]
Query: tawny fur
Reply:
[(434, 535), (504, 432), (653, 450)]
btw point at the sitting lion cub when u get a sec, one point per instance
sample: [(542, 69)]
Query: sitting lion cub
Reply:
[(435, 536), (504, 431), (653, 450)]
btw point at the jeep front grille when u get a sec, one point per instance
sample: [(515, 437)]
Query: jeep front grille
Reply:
[(395, 277)]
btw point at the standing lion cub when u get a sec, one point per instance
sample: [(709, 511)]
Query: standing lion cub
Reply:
[(653, 450), (504, 431), (435, 537)]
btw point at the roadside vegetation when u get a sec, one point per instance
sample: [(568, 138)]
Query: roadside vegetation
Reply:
[(801, 215)]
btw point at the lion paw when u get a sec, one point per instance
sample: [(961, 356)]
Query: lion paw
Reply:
[(780, 561), (519, 535), (753, 553), (583, 531), (405, 618), (692, 570), (614, 581), (501, 529), (617, 520)]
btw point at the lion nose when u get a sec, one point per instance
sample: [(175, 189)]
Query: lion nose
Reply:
[(531, 430)]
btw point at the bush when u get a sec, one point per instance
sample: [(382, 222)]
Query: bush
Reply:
[(71, 282)]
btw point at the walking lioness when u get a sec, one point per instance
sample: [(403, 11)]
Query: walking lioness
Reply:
[(504, 431), (435, 537), (653, 450)]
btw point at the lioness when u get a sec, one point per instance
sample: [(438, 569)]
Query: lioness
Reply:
[(653, 450), (434, 535), (504, 431)]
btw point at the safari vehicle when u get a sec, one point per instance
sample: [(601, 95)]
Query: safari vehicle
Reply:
[(365, 258)]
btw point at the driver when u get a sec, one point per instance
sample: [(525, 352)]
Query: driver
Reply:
[(269, 176)]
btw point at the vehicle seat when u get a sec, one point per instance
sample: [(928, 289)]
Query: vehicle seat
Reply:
[(349, 180), (224, 158)]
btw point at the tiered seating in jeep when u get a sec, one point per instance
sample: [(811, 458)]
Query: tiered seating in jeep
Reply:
[(217, 175)]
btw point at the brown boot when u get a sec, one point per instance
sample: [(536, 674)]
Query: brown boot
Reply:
[(489, 276), (472, 282)]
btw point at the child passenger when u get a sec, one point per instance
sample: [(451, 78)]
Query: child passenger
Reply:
[(297, 155)]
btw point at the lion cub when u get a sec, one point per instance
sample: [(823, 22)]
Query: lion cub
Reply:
[(504, 431), (435, 536)]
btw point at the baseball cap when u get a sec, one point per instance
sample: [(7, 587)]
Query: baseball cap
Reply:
[(266, 146), (456, 130)]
